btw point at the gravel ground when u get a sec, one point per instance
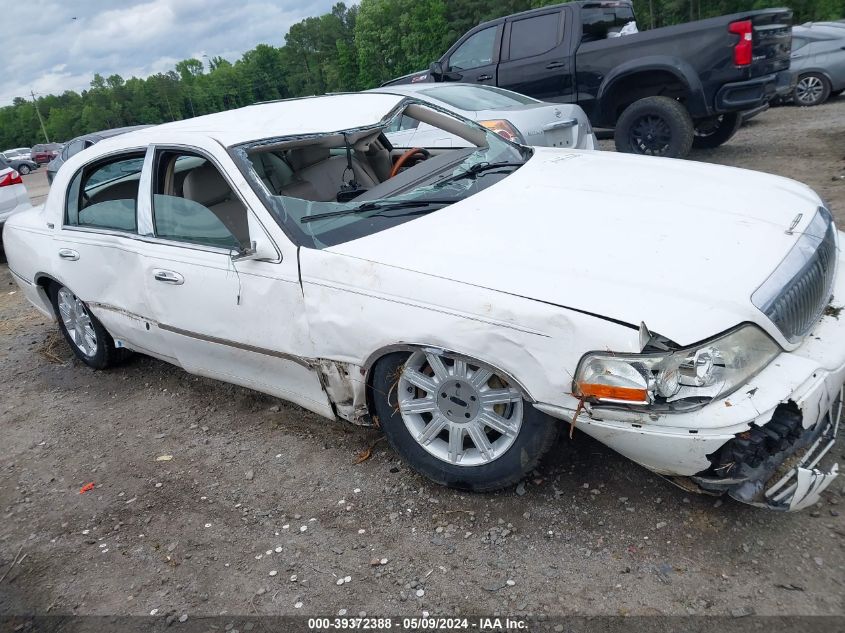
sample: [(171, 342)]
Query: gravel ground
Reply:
[(263, 509)]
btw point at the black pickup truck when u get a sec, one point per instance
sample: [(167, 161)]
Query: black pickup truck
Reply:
[(663, 90)]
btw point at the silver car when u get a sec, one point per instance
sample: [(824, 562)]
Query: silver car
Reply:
[(513, 116), (818, 58)]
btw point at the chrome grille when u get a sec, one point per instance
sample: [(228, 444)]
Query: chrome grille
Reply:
[(797, 292)]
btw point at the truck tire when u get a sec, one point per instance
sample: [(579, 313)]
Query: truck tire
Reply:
[(656, 126), (710, 133)]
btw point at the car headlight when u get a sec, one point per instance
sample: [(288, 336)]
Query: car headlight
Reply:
[(676, 379)]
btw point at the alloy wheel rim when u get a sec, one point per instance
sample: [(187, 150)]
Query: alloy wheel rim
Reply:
[(650, 134), (459, 412), (809, 89), (77, 322)]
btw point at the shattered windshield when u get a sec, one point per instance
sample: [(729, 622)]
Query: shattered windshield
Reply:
[(333, 188)]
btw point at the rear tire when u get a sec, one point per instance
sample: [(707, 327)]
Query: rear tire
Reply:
[(655, 126), (812, 89), (87, 337), (710, 133), (445, 429)]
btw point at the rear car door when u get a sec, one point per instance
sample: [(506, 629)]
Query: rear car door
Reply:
[(96, 253), (474, 59), (239, 321), (536, 60)]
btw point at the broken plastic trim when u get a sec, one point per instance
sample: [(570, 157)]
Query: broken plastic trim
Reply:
[(774, 466)]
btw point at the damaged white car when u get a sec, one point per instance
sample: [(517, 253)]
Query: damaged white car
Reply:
[(470, 301)]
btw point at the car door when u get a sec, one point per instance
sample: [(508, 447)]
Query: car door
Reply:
[(535, 57), (238, 320), (474, 60), (96, 252)]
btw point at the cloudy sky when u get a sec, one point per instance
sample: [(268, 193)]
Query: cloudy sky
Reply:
[(50, 46)]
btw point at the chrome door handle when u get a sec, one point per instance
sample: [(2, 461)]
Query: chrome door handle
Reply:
[(168, 277), (68, 254), (483, 77)]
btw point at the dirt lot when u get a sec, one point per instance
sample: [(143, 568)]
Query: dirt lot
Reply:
[(262, 509)]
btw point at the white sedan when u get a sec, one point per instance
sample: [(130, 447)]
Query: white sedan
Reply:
[(469, 301), (513, 116)]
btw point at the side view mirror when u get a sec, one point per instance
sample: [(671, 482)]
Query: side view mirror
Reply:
[(260, 251), (436, 70)]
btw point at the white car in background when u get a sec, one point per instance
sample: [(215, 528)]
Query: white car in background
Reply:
[(18, 153), (13, 195), (470, 305), (513, 116)]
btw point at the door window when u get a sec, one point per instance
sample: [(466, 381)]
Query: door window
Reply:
[(533, 36), (105, 195), (74, 148), (475, 51), (193, 203)]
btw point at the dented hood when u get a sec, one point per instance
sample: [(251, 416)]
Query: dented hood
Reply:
[(677, 244)]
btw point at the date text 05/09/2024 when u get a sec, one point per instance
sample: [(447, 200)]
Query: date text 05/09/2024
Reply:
[(482, 624)]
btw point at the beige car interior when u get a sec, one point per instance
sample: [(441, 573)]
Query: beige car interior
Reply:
[(317, 169), (206, 186)]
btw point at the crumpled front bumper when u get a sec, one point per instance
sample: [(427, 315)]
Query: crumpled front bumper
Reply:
[(776, 465)]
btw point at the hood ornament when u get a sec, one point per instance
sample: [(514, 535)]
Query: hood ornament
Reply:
[(795, 222)]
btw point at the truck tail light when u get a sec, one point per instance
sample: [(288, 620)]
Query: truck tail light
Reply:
[(742, 49), (10, 178), (505, 129)]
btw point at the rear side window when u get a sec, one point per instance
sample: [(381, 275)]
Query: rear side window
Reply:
[(74, 148), (604, 19), (533, 36), (105, 195)]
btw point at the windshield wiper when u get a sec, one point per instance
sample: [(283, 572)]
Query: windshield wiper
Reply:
[(375, 206), (476, 169)]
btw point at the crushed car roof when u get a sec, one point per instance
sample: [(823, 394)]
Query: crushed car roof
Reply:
[(291, 117)]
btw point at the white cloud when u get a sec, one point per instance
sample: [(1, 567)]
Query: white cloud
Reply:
[(57, 45)]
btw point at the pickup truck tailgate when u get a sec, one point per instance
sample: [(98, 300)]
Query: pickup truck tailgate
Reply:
[(772, 41)]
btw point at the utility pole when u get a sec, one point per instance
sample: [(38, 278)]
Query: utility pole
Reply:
[(38, 112)]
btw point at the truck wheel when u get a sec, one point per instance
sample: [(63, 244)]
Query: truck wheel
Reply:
[(657, 126), (710, 133), (812, 89)]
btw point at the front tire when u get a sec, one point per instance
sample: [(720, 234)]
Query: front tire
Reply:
[(713, 132), (457, 422), (812, 89), (656, 126), (87, 337), (23, 170)]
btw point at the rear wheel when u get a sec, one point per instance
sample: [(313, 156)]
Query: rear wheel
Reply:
[(812, 89), (458, 422), (715, 131), (656, 126), (87, 337)]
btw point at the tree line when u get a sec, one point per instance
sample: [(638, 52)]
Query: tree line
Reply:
[(351, 48)]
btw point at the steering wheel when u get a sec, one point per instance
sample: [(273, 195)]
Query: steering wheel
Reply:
[(407, 156)]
